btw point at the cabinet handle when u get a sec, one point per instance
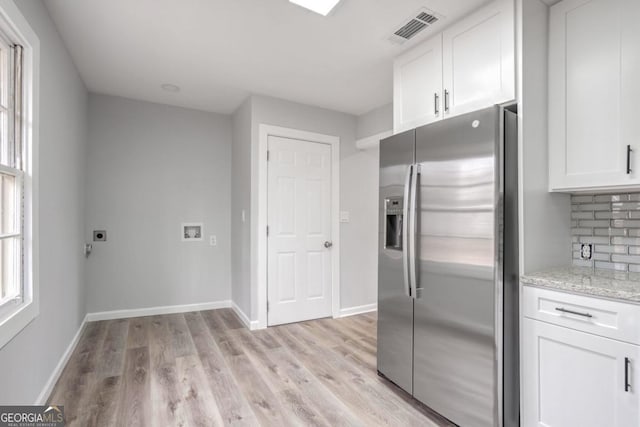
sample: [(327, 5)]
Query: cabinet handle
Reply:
[(577, 313), (446, 101), (629, 150), (436, 104), (627, 365)]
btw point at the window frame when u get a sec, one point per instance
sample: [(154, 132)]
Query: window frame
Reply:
[(17, 30)]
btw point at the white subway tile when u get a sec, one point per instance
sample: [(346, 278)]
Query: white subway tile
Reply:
[(623, 206), (623, 223), (594, 206), (595, 239), (611, 198), (611, 266), (584, 215), (609, 231), (612, 215), (629, 259), (581, 263), (595, 223), (625, 241), (602, 257), (609, 249), (582, 199), (582, 231)]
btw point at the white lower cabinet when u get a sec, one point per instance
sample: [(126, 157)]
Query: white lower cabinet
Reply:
[(577, 379)]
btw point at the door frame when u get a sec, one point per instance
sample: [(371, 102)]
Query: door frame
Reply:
[(265, 131)]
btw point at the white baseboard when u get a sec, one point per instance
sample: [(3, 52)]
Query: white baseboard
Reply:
[(55, 375), (152, 311), (360, 309), (252, 325)]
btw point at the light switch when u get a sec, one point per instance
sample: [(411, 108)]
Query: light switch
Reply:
[(344, 216), (213, 241)]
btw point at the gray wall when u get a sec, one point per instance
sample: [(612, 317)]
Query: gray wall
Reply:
[(28, 360), (545, 238), (358, 269), (241, 200), (375, 121), (363, 171), (151, 168)]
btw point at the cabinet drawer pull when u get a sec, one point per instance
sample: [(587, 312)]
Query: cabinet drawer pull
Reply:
[(629, 150), (627, 365), (436, 104), (577, 313), (446, 101)]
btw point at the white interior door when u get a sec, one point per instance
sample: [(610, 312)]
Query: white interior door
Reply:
[(299, 220)]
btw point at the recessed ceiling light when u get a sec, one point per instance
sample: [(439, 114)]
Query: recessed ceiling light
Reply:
[(170, 88), (323, 7)]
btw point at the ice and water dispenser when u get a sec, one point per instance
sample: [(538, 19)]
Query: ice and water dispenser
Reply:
[(393, 223)]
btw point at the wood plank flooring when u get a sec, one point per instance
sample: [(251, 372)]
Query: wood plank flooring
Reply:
[(205, 369)]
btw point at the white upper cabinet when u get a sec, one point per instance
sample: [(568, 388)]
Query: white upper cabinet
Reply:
[(594, 64), (471, 65), (479, 59), (417, 85)]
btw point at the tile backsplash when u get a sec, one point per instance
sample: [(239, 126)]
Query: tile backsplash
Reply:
[(611, 222)]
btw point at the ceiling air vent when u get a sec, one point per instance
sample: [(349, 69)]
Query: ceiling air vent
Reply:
[(411, 29), (422, 20), (427, 17)]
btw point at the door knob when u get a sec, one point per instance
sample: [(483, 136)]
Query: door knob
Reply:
[(328, 244)]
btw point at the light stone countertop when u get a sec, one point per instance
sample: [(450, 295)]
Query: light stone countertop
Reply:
[(608, 284)]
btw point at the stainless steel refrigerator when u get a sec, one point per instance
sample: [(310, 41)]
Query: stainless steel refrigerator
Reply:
[(448, 266)]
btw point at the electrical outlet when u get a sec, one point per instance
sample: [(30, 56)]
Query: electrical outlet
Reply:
[(213, 241), (586, 251)]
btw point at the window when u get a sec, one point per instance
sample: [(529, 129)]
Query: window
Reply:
[(11, 176), (19, 65)]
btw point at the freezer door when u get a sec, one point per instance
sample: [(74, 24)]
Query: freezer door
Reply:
[(395, 307), (455, 353)]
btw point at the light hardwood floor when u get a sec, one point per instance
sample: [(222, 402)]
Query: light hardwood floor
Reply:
[(205, 369)]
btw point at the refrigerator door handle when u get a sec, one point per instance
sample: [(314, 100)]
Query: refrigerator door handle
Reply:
[(413, 224), (406, 212)]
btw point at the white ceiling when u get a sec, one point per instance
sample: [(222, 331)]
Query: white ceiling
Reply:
[(220, 51)]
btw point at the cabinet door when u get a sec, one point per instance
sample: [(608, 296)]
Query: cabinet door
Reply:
[(417, 86), (593, 94), (572, 378), (479, 60)]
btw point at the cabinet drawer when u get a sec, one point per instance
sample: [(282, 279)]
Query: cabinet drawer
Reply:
[(606, 318)]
